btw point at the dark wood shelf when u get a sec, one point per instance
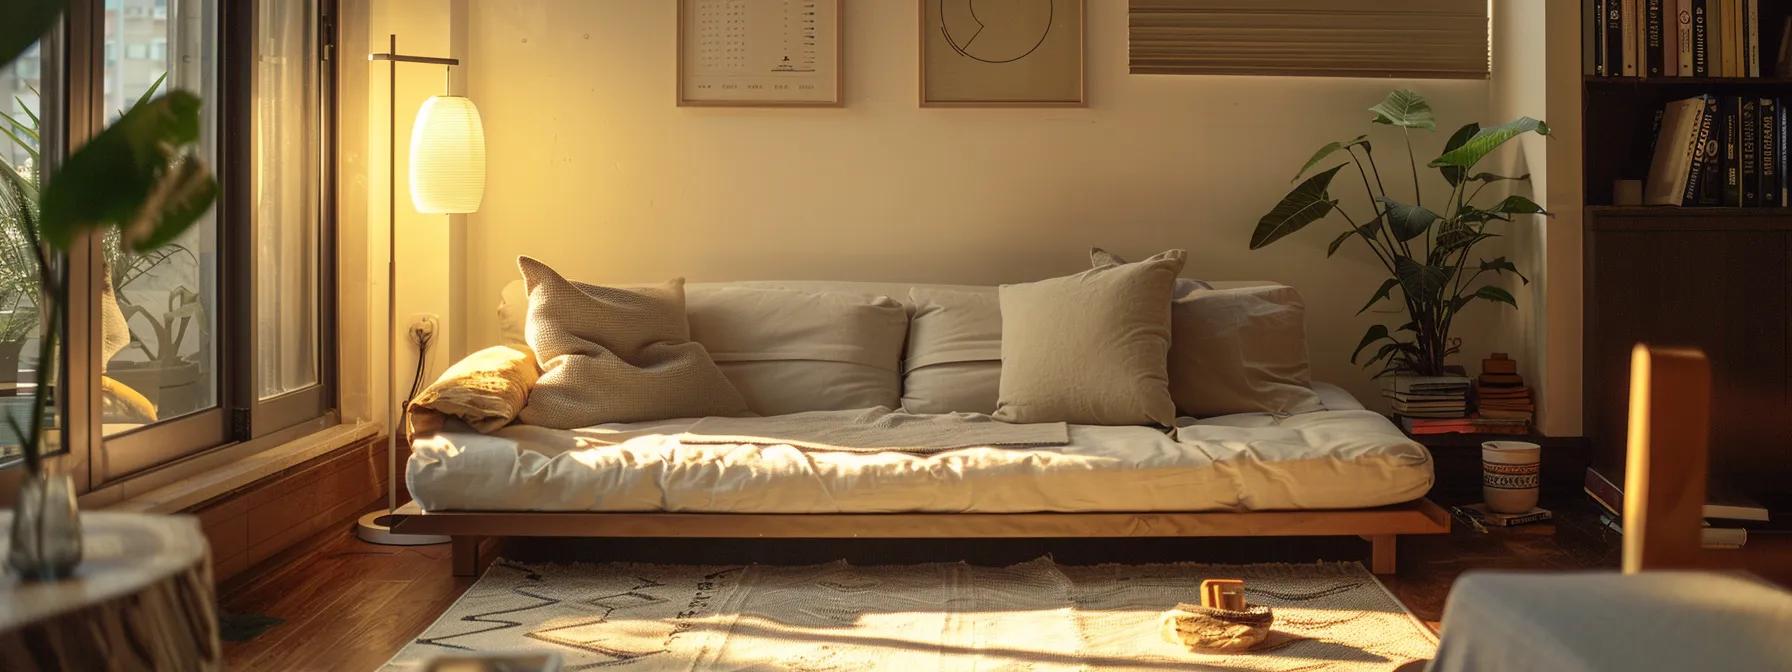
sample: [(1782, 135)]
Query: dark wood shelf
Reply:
[(1597, 82), (1689, 211)]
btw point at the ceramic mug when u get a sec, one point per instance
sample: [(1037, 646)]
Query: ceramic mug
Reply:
[(1509, 475)]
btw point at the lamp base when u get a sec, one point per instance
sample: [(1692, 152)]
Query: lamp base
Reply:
[(376, 528)]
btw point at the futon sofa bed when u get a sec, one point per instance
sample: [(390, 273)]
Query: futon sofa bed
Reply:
[(1326, 466)]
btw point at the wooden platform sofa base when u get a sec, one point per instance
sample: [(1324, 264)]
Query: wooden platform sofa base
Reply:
[(473, 530)]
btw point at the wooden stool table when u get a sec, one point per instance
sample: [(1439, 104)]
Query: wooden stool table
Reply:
[(141, 599)]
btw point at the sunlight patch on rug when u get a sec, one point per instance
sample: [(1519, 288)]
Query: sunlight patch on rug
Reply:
[(1036, 615)]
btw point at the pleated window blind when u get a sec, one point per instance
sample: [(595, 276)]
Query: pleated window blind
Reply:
[(1444, 39)]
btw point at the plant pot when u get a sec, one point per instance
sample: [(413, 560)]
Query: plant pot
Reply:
[(10, 352), (46, 529)]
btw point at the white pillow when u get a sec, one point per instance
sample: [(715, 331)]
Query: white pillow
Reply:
[(954, 362), (790, 351)]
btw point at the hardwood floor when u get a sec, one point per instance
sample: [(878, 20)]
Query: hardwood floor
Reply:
[(349, 605)]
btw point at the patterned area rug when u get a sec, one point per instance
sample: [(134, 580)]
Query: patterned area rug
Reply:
[(1033, 616)]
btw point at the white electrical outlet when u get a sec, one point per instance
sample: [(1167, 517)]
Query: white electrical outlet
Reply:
[(424, 325)]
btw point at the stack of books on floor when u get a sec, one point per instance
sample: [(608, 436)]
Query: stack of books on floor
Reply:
[(1684, 38), (1443, 397), (1719, 151), (1502, 401)]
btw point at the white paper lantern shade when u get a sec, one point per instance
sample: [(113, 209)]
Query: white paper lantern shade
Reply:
[(447, 157)]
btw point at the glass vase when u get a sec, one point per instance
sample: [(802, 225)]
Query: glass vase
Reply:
[(46, 529)]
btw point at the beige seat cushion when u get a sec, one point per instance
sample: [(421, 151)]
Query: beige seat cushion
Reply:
[(954, 362), (1090, 348), (1240, 351), (609, 354), (790, 351)]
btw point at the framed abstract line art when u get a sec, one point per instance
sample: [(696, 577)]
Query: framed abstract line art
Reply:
[(759, 52), (1013, 53)]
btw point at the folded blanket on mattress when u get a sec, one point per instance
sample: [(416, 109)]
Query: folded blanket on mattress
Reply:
[(873, 430)]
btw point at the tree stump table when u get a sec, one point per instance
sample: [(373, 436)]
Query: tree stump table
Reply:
[(141, 599)]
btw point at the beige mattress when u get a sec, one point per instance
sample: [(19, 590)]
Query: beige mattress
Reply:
[(1343, 457)]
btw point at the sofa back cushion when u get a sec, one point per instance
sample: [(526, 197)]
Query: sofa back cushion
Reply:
[(790, 351), (954, 360), (1090, 348), (1240, 351), (610, 354)]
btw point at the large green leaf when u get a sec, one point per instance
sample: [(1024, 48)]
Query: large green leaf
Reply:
[(22, 22), (1501, 266), (133, 175), (1405, 108), (1421, 282), (1518, 205), (1375, 333), (1453, 173), (1492, 293), (1386, 287), (1329, 149), (1305, 205), (1408, 221), (1487, 140)]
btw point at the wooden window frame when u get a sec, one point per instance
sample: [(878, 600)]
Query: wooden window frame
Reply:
[(95, 460)]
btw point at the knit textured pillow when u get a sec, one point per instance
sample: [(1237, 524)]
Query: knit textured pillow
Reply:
[(610, 354)]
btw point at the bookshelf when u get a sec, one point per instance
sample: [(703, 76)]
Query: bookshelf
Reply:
[(1717, 278)]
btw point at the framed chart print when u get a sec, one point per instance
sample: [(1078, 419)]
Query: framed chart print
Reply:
[(759, 52), (1019, 53)]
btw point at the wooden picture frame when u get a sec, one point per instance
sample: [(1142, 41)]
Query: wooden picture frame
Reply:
[(958, 71), (723, 78)]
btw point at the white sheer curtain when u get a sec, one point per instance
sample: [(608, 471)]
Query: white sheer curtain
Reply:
[(287, 157)]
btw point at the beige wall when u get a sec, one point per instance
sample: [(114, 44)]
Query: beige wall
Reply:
[(593, 169)]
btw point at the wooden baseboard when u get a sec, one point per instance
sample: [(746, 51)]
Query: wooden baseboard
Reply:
[(251, 524)]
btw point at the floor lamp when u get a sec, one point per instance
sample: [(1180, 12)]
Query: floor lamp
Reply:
[(447, 176)]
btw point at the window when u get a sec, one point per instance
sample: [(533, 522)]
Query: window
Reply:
[(28, 101), (225, 335), (1324, 38)]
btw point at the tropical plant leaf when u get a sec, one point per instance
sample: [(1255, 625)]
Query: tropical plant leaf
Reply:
[(1367, 231), (1501, 266), (133, 175), (1491, 178), (1452, 240), (1305, 205), (1517, 205), (1487, 140), (1395, 349), (1375, 333), (1492, 293), (1329, 149), (22, 22), (1405, 108), (1421, 282), (1407, 221), (1387, 286), (1454, 174)]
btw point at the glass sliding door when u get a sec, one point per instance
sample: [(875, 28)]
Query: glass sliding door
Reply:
[(159, 312), (30, 114)]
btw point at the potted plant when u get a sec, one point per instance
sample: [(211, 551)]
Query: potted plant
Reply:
[(137, 176), (1428, 251)]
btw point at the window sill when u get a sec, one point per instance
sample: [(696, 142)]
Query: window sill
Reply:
[(210, 481)]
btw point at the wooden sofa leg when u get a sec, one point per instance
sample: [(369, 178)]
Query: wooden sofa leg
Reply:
[(1381, 553), (471, 555)]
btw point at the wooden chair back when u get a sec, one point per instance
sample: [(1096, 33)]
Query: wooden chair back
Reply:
[(1666, 458)]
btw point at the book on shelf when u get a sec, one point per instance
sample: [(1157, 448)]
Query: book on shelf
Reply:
[(1720, 151), (1719, 505), (1684, 38), (1671, 165)]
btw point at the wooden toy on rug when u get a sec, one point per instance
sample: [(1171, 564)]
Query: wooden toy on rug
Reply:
[(1223, 621)]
